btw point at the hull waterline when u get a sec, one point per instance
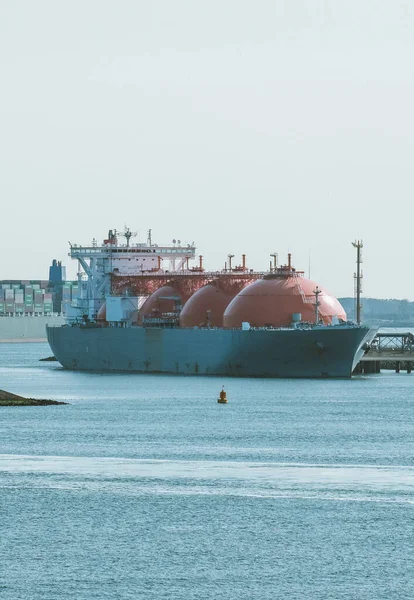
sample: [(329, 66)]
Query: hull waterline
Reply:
[(322, 352)]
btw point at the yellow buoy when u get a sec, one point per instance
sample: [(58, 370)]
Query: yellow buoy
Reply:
[(223, 397)]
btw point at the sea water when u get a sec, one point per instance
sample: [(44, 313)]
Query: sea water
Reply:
[(145, 487)]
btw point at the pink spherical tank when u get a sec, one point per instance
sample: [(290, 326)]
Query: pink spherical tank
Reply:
[(206, 307), (165, 300), (273, 300), (101, 316)]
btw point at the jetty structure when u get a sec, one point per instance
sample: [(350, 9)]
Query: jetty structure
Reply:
[(392, 350)]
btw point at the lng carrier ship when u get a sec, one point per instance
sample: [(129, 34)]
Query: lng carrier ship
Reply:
[(142, 308)]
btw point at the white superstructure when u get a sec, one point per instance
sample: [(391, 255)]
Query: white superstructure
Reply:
[(99, 261)]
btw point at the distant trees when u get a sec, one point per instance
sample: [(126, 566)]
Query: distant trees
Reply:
[(392, 312)]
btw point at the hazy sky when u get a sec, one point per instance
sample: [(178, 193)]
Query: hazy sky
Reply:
[(247, 126)]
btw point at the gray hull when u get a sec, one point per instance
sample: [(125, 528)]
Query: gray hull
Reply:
[(320, 352), (27, 328)]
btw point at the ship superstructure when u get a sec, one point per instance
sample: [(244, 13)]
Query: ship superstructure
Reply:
[(112, 258), (123, 274)]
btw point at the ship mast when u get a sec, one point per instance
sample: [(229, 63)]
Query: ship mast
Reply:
[(358, 280)]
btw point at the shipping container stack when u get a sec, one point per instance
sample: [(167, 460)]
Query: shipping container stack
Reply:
[(38, 300), (28, 299), (38, 297), (24, 298), (4, 287), (48, 303), (9, 301), (66, 295), (18, 301), (32, 298)]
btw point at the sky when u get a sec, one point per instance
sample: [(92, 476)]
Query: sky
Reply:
[(247, 126)]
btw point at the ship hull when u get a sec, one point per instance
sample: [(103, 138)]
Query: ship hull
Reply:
[(322, 352), (27, 328)]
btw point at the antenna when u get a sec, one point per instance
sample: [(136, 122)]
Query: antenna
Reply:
[(358, 280), (149, 239), (128, 234)]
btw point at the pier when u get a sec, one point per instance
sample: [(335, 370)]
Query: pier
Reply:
[(389, 351)]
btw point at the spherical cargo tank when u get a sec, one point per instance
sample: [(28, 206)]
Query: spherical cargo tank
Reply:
[(274, 300), (101, 316), (206, 307), (167, 299)]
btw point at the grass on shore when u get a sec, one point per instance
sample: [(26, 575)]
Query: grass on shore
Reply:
[(9, 399)]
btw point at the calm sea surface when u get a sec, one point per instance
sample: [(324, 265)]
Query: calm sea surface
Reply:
[(145, 487)]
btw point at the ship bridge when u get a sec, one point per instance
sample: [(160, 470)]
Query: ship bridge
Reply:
[(129, 259), (101, 261)]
